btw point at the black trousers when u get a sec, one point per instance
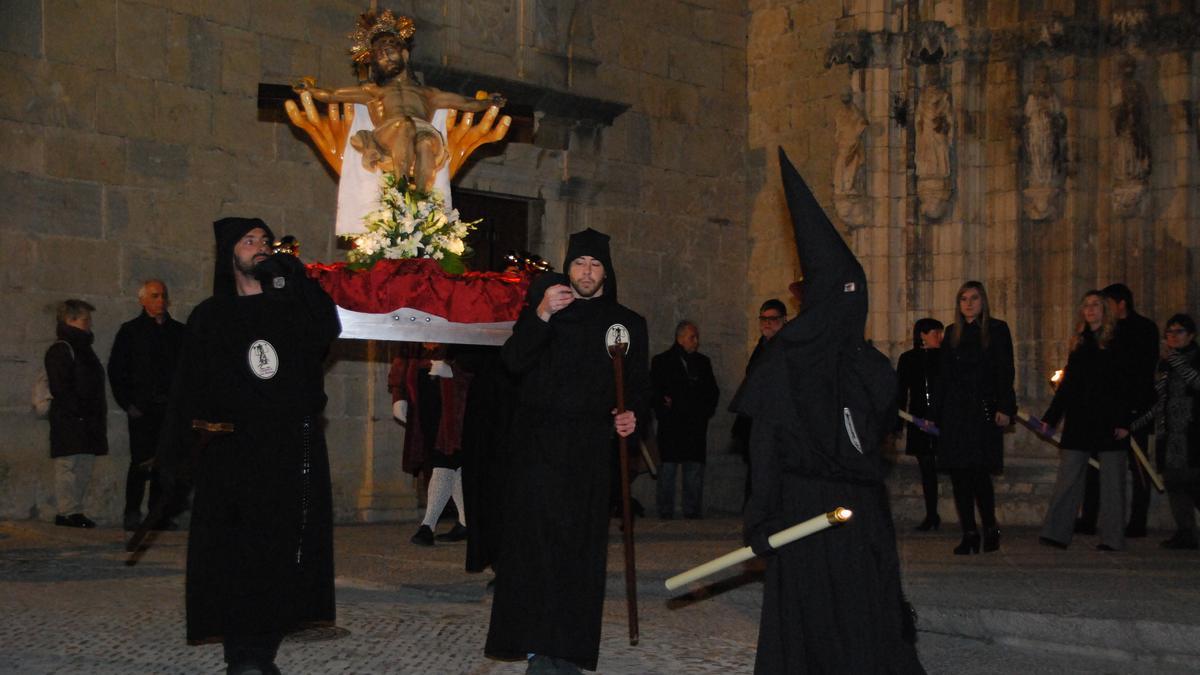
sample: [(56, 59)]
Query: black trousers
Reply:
[(973, 487), (929, 483), (143, 442)]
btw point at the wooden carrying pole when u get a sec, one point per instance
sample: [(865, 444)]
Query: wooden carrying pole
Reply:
[(781, 538), (617, 352)]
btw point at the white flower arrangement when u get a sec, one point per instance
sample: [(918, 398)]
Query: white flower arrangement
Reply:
[(410, 224)]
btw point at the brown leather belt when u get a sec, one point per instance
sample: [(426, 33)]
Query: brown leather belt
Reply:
[(213, 427)]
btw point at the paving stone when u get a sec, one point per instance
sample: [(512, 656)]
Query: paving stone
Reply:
[(408, 609)]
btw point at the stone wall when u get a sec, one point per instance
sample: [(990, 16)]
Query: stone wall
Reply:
[(130, 126), (803, 56)]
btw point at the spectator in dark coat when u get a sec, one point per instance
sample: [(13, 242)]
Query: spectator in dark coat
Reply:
[(973, 403), (1177, 414), (140, 367), (685, 397), (917, 372), (78, 423), (1136, 349), (1090, 398), (772, 315)]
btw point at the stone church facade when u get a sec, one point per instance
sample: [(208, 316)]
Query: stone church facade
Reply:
[(1043, 148)]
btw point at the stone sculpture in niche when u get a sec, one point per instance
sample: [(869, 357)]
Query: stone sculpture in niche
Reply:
[(1131, 140), (1045, 131), (935, 137), (850, 125)]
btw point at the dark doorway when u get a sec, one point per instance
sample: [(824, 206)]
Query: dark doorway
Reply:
[(505, 226)]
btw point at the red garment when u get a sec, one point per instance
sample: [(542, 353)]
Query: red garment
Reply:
[(402, 382), (420, 283)]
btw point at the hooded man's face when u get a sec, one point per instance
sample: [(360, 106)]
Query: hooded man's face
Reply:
[(251, 249), (587, 276)]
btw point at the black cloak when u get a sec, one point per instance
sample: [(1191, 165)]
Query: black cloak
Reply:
[(260, 546), (821, 399), (550, 574)]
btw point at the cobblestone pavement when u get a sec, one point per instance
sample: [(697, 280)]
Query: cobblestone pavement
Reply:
[(68, 604)]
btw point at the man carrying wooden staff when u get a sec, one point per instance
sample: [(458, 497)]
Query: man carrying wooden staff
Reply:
[(820, 402), (550, 572)]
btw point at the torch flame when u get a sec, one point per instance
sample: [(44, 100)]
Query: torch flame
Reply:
[(839, 515), (1056, 378)]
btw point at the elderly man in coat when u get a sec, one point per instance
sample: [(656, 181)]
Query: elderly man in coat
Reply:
[(685, 397)]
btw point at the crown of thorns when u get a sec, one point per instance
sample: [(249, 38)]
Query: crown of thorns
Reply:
[(371, 24)]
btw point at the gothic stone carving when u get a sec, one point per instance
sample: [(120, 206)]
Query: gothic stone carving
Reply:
[(850, 130), (935, 136), (1044, 130), (1131, 140)]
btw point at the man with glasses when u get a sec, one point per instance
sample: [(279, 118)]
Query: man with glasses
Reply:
[(771, 317)]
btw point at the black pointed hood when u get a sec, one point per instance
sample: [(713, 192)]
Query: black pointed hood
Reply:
[(819, 381), (227, 232), (834, 286), (595, 244)]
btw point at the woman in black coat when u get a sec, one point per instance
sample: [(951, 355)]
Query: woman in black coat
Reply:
[(78, 411), (973, 403), (1176, 416), (917, 371), (1091, 400)]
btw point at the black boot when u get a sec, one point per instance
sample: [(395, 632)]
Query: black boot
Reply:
[(991, 539), (931, 522), (969, 545)]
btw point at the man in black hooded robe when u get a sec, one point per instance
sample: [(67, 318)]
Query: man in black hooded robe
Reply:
[(821, 399), (260, 547), (550, 574)]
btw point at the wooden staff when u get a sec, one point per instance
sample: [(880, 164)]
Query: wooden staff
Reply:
[(617, 351), (1035, 425), (810, 526)]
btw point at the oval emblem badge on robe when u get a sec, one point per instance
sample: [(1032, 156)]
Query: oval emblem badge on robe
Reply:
[(264, 362), (617, 334)]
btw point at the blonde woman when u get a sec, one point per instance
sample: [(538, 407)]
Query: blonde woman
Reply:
[(974, 402), (1091, 401)]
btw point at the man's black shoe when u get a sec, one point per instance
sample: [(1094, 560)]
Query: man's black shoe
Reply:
[(1053, 543), (75, 520), (423, 537), (1082, 527), (1104, 547), (456, 533), (166, 525), (1182, 541), (1133, 532)]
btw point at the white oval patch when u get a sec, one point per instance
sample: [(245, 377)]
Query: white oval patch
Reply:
[(617, 334), (264, 362)]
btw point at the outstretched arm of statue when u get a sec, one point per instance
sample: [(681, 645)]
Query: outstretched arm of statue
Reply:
[(357, 94), (452, 101)]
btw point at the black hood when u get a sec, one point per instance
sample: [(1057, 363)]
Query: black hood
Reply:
[(589, 242), (819, 379), (227, 232), (834, 286)]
